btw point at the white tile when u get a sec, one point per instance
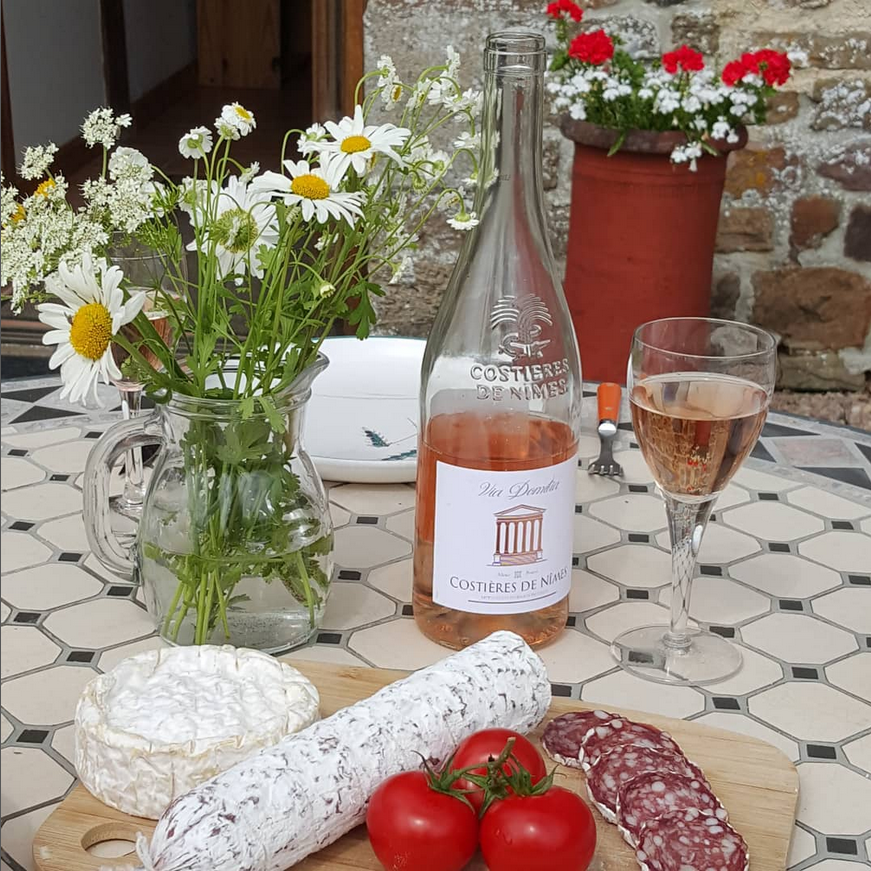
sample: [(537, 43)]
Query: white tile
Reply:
[(721, 601), (811, 711), (590, 592), (854, 675), (633, 565), (589, 487), (18, 834), (785, 575), (5, 728), (798, 638), (588, 446), (359, 547), (37, 778), (373, 499), (591, 535), (402, 524), (731, 496), (827, 504), (735, 722), (723, 545), (68, 533), (18, 472), (42, 501), (18, 550), (101, 623), (844, 551), (4, 611), (608, 624), (773, 521), (865, 526), (351, 605), (835, 865), (66, 459), (832, 798), (110, 658), (762, 481), (98, 568), (39, 439), (47, 697), (757, 671), (634, 512), (339, 515), (859, 753), (48, 586), (333, 654), (635, 470), (802, 846), (849, 606), (64, 741), (395, 579), (622, 689), (574, 657), (397, 644), (24, 648)]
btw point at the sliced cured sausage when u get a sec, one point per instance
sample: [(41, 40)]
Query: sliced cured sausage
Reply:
[(619, 732), (563, 735)]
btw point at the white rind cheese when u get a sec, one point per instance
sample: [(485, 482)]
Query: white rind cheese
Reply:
[(163, 721)]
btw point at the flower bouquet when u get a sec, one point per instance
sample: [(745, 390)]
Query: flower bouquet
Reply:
[(235, 539)]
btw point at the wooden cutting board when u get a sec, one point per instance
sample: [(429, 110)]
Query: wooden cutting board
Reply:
[(755, 781)]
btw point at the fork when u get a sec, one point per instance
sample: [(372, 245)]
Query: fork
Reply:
[(609, 411)]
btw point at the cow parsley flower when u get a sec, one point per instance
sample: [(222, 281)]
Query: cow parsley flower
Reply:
[(102, 127), (37, 159)]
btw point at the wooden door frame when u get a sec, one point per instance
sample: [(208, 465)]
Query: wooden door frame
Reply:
[(337, 56), (7, 147)]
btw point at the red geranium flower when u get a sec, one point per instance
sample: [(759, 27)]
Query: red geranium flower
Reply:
[(558, 7), (594, 47), (733, 72), (688, 59), (774, 66)]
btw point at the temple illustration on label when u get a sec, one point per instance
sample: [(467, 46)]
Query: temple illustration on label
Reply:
[(525, 314), (518, 536)]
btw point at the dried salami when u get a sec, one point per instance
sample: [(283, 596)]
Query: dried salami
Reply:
[(622, 764), (563, 735), (660, 793), (619, 732), (691, 841)]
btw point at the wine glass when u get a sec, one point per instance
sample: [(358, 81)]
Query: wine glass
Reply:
[(699, 391)]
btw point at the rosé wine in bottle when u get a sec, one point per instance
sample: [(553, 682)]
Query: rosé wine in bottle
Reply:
[(500, 394)]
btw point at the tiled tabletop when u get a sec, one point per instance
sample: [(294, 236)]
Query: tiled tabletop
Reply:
[(785, 571)]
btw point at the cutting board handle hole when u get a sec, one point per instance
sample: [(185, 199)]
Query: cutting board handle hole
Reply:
[(110, 840)]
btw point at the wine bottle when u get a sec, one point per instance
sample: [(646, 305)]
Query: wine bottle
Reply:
[(500, 393)]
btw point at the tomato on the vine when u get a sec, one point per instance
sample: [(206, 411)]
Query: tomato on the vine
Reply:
[(487, 745), (415, 822), (554, 829)]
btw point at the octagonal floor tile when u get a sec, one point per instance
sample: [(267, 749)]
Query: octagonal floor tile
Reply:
[(773, 521), (395, 579), (859, 753), (37, 778), (854, 675), (397, 644), (575, 657), (802, 846), (833, 799), (352, 605), (731, 496), (42, 501), (865, 526), (721, 601), (67, 458), (377, 499), (64, 741), (5, 728), (811, 711), (47, 697), (18, 472), (724, 545), (49, 586), (67, 533), (110, 658), (785, 575), (17, 551), (588, 446), (100, 623), (827, 504), (590, 592), (591, 535), (622, 689), (757, 671), (33, 440), (849, 606), (333, 654), (359, 547), (633, 565), (834, 865), (748, 726), (798, 638), (843, 551), (633, 512), (608, 624), (25, 648), (339, 516), (635, 470), (402, 524), (5, 611), (762, 481), (590, 487), (18, 835)]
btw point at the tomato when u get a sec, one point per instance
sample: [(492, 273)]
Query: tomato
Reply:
[(539, 832), (488, 744), (414, 827)]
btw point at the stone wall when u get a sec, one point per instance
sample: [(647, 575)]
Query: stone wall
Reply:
[(794, 247)]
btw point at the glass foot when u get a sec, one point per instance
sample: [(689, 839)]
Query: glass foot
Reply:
[(707, 659)]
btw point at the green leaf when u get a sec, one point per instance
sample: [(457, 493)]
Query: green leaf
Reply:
[(246, 407), (618, 144), (276, 421)]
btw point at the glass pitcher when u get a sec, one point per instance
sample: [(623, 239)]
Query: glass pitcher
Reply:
[(235, 541)]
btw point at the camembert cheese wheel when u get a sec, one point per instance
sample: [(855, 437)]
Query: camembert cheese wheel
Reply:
[(163, 721)]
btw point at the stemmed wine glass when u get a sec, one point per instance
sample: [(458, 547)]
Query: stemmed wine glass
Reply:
[(699, 391)]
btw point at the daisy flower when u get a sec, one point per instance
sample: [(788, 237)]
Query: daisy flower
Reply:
[(310, 138), (356, 144), (464, 220), (235, 121), (196, 143), (315, 189), (92, 312)]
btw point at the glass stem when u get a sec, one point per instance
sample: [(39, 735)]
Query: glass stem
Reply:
[(686, 526), (134, 476)]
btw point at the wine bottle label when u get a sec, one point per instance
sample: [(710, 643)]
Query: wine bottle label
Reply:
[(503, 540)]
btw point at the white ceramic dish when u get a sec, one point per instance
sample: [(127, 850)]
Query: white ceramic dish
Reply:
[(362, 420)]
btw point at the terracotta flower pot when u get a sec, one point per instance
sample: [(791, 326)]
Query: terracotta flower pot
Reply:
[(641, 238)]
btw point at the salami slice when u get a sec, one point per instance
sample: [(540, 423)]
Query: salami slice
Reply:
[(619, 732), (659, 793), (691, 841), (563, 735), (622, 764)]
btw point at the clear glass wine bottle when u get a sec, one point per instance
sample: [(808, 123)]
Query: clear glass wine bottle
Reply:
[(500, 393)]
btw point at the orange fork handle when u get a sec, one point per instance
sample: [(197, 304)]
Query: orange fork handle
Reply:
[(609, 401)]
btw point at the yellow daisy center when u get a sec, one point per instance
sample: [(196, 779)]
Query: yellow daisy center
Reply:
[(44, 187), (243, 113), (18, 214), (312, 187), (353, 144), (397, 93), (91, 331)]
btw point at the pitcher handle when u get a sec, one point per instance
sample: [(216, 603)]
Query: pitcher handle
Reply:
[(115, 442)]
